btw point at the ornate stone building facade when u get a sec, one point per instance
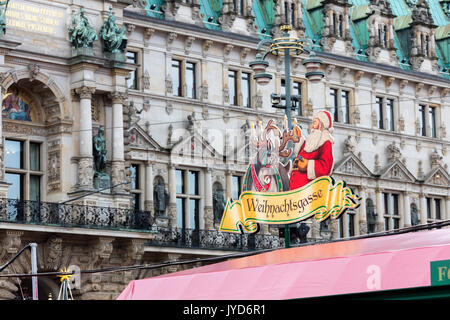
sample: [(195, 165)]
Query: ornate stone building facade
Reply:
[(169, 84)]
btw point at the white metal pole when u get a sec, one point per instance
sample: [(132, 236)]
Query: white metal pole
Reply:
[(34, 280)]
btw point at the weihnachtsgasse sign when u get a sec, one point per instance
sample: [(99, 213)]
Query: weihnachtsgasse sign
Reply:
[(285, 192)]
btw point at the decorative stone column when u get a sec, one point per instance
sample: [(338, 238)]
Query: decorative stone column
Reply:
[(172, 209), (362, 212), (406, 210), (209, 213), (447, 209), (85, 162), (117, 159), (229, 184), (148, 202), (380, 213), (422, 208)]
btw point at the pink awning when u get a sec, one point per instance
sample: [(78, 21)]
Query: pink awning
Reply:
[(354, 266)]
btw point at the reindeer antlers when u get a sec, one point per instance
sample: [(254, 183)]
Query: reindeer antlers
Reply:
[(294, 136)]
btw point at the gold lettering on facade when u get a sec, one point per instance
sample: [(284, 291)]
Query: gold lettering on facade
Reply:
[(33, 18)]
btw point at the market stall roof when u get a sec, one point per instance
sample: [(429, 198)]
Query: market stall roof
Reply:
[(343, 267)]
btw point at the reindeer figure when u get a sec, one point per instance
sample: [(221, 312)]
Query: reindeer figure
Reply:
[(266, 173)]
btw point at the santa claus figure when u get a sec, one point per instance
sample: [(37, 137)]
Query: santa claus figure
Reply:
[(315, 153)]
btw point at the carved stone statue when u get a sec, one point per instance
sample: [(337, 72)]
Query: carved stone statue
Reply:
[(101, 178), (114, 38), (414, 215), (3, 7), (371, 216), (81, 34), (160, 198), (218, 204), (99, 145)]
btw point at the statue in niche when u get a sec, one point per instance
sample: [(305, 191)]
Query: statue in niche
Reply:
[(81, 34), (414, 215), (218, 204), (101, 178), (160, 198), (3, 7), (371, 216), (114, 38)]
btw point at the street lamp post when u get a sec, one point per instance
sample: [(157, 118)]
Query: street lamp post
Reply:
[(286, 46)]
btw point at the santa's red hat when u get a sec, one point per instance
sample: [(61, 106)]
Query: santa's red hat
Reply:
[(325, 118)]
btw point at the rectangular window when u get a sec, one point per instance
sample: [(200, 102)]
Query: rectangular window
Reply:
[(386, 223), (194, 222), (380, 112), (13, 154), (432, 119), (245, 89), (394, 205), (232, 87), (132, 82), (429, 208), (297, 92), (283, 92), (135, 201), (179, 177), (35, 156), (241, 7), (351, 224), (193, 182), (134, 176), (35, 188), (437, 208), (334, 103), (236, 181), (385, 199), (176, 78), (15, 190), (190, 80), (390, 113), (396, 222), (423, 127), (180, 213), (345, 106)]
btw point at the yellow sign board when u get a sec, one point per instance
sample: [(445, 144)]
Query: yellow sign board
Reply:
[(321, 198)]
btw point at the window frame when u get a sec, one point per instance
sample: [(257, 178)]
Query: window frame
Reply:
[(338, 114), (139, 192), (429, 126), (25, 171), (182, 90), (238, 87), (185, 198), (302, 86), (391, 218), (384, 121), (137, 71)]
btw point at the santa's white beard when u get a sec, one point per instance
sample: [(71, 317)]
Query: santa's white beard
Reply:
[(314, 140)]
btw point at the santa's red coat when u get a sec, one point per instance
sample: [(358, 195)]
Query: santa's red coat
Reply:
[(321, 166)]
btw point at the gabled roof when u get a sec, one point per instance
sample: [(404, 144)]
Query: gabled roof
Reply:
[(141, 139), (352, 165), (396, 170), (438, 176), (195, 145)]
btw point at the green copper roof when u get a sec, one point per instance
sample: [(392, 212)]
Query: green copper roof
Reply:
[(264, 13), (210, 9), (153, 8), (312, 4)]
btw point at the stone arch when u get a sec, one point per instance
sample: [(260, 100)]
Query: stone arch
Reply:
[(45, 82)]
